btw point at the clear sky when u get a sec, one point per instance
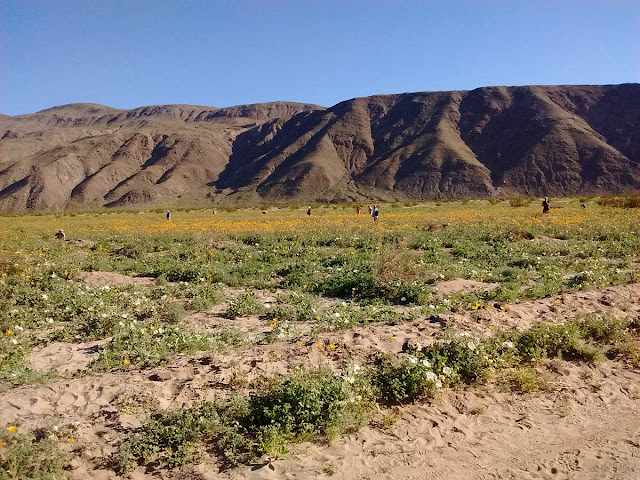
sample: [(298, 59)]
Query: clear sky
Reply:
[(128, 53)]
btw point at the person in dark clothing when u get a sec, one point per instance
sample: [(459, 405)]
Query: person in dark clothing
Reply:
[(545, 205), (168, 215), (309, 210), (374, 213)]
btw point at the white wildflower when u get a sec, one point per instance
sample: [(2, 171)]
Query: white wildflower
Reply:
[(447, 371), (508, 344), (413, 360), (426, 363), (432, 377)]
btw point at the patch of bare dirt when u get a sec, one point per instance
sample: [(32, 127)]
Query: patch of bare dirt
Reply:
[(462, 285), (112, 279), (65, 357), (545, 239)]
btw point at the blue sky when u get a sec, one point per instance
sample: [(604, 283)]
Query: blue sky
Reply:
[(128, 53)]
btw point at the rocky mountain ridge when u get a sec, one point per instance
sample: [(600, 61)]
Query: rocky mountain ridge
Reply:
[(533, 140)]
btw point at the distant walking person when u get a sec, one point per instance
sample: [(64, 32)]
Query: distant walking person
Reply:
[(309, 210), (358, 210), (370, 209), (545, 205), (168, 214), (374, 213)]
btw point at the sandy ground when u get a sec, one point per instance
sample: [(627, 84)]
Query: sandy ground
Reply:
[(586, 426)]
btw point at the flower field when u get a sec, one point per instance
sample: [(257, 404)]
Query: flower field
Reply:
[(212, 345)]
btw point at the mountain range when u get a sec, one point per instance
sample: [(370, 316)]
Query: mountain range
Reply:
[(530, 140)]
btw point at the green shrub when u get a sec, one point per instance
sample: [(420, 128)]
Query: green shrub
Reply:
[(247, 303), (469, 358), (517, 202), (304, 406), (22, 456), (173, 312), (348, 283), (605, 330), (145, 346), (205, 298), (404, 380), (295, 307), (526, 380), (548, 340), (622, 201), (311, 404)]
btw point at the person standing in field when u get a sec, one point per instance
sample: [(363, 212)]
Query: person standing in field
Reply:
[(374, 213), (370, 209), (168, 215), (309, 210), (358, 210), (545, 205)]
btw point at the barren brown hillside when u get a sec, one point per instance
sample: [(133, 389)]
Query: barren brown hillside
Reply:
[(489, 141)]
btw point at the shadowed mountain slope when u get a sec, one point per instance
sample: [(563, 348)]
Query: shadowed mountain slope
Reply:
[(496, 140)]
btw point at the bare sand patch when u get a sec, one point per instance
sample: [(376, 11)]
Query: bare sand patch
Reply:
[(462, 285), (100, 279), (65, 357), (545, 239)]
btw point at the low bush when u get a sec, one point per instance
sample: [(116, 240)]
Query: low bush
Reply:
[(246, 303), (304, 406), (622, 201), (22, 456), (404, 380), (144, 346)]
